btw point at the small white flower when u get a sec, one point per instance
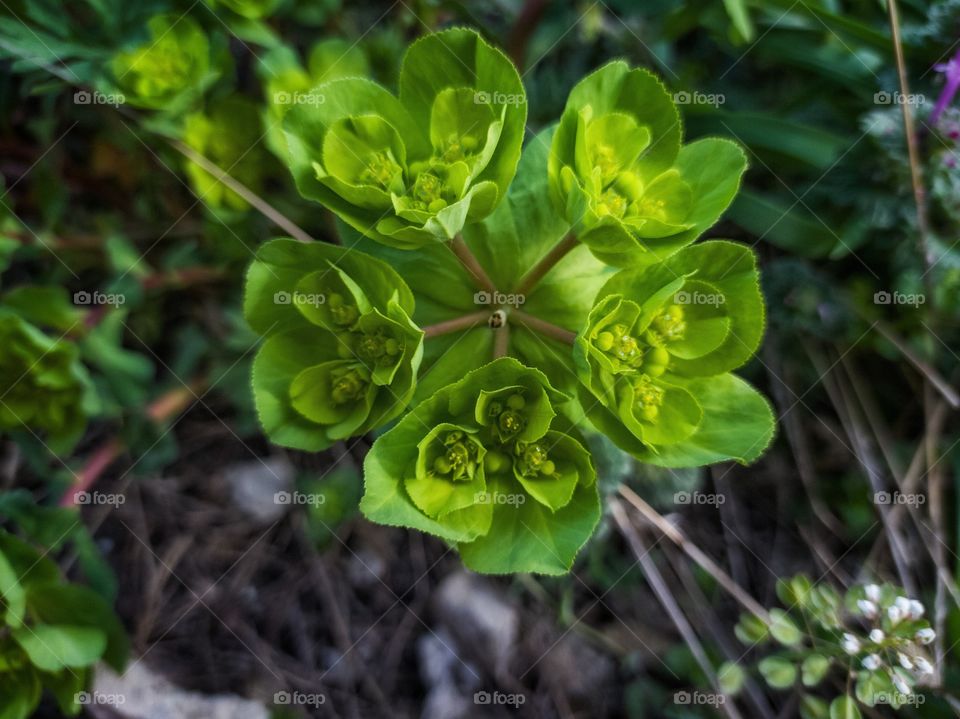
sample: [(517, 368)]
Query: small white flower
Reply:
[(903, 604), (873, 592), (895, 613), (901, 685), (867, 608), (850, 644), (922, 665), (904, 660), (871, 662), (877, 636), (925, 636), (916, 609)]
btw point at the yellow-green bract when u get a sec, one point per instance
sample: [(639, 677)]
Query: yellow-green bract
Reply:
[(413, 169), (488, 464), (45, 385), (341, 353), (655, 356), (622, 178)]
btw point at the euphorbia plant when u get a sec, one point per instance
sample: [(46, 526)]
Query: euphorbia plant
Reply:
[(476, 297)]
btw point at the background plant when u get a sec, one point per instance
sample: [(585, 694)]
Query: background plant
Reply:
[(106, 194)]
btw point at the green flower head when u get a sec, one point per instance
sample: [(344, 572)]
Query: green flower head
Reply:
[(661, 340), (487, 463), (44, 385), (170, 69), (619, 174), (228, 135), (413, 169), (341, 352)]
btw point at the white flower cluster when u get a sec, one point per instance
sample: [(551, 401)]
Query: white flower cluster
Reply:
[(897, 645)]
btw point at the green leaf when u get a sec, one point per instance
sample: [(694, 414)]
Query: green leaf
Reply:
[(768, 134), (13, 594), (79, 606), (66, 687), (740, 17), (731, 677), (336, 57), (814, 669), (783, 223), (45, 306), (30, 566), (783, 628), (52, 647), (778, 672), (19, 694), (751, 629), (528, 537), (844, 707), (813, 707)]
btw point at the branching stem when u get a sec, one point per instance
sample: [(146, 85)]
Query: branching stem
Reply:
[(546, 263), (457, 323), (472, 265), (543, 327)]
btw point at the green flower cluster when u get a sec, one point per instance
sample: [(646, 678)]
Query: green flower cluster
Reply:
[(483, 464), (227, 134), (619, 173), (44, 387), (341, 352), (170, 69), (412, 170), (510, 259), (655, 355)]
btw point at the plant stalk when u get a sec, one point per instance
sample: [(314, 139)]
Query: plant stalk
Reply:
[(543, 327), (472, 265), (546, 263), (458, 323)]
